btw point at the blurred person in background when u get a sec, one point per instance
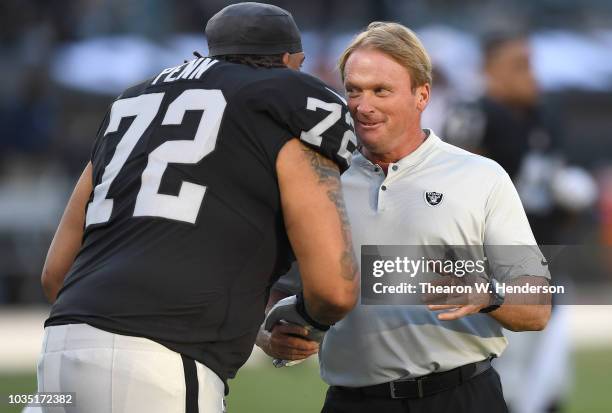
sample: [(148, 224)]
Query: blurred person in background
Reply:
[(204, 181), (511, 125), (442, 98)]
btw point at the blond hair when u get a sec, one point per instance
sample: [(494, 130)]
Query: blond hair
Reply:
[(397, 41)]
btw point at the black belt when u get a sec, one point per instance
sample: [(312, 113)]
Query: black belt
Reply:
[(421, 386)]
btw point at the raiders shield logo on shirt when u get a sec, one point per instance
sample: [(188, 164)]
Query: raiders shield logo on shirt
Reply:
[(433, 198)]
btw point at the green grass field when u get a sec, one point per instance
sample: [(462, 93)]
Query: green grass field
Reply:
[(299, 390)]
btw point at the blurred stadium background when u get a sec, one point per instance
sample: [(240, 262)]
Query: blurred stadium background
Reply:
[(62, 62)]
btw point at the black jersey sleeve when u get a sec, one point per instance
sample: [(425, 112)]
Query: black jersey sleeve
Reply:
[(296, 105)]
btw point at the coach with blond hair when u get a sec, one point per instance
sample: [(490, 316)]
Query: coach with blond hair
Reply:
[(408, 187)]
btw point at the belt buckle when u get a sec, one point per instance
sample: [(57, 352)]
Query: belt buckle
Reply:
[(419, 383)]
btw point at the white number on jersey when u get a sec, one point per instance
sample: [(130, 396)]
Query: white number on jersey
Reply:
[(313, 136), (149, 202), (349, 136)]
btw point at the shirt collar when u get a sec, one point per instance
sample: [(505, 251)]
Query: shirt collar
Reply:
[(413, 158)]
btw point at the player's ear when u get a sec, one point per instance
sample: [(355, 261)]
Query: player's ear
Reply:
[(286, 59), (293, 60)]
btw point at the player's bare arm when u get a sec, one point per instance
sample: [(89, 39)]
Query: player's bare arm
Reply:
[(317, 226), (287, 341), (68, 236), (327, 173)]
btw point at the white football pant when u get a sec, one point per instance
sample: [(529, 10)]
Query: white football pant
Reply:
[(113, 373)]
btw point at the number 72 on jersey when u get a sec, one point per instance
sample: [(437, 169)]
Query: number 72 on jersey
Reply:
[(186, 205)]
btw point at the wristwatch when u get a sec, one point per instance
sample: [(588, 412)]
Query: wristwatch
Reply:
[(497, 298)]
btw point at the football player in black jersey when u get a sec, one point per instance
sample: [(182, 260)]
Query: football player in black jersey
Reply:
[(204, 182)]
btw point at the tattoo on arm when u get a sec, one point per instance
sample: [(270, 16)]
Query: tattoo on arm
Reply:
[(328, 175)]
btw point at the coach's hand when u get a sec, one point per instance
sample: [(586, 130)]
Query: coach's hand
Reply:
[(456, 311), (286, 342), (457, 305)]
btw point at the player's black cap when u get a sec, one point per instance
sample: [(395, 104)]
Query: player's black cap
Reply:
[(252, 28)]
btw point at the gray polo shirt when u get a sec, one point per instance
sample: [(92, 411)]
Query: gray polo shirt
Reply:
[(480, 206)]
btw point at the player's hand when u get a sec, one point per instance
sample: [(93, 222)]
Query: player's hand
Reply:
[(287, 342), (293, 338)]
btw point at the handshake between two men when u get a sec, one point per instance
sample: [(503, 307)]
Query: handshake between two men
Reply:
[(289, 334)]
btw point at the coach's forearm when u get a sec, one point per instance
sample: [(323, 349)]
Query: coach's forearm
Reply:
[(525, 311), (522, 317)]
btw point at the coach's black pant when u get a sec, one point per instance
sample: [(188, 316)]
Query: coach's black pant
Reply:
[(482, 393)]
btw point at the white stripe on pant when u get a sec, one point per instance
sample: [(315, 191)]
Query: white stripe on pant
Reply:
[(113, 373)]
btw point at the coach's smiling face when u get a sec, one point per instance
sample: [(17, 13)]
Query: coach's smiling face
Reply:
[(384, 107)]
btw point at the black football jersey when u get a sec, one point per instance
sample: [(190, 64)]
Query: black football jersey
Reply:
[(184, 232)]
